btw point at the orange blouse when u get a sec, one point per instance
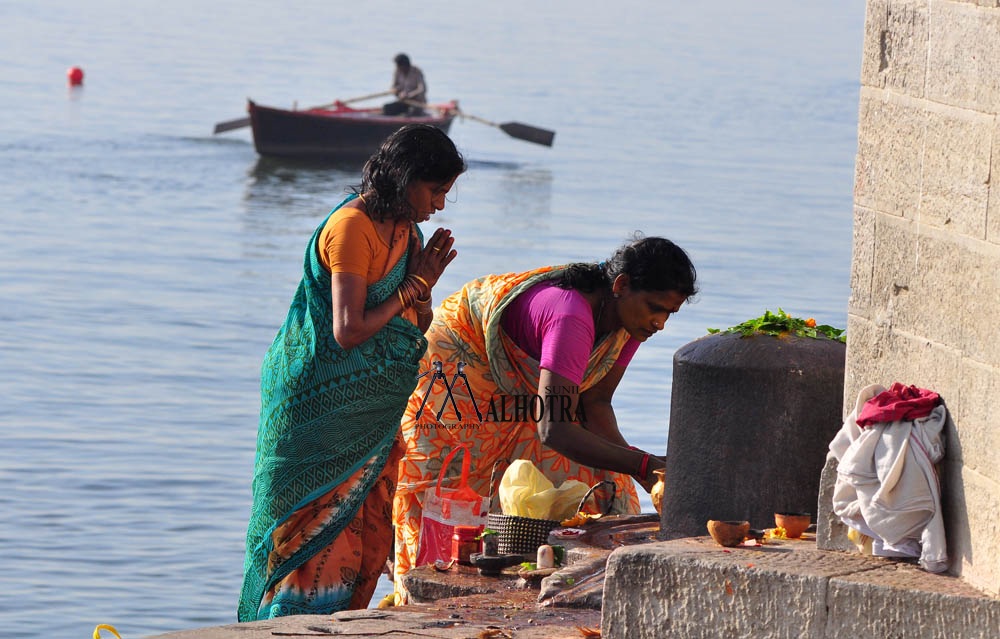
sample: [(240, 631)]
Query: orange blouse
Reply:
[(349, 243)]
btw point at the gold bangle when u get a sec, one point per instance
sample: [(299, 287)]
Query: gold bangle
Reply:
[(411, 292), (402, 302), (407, 287), (411, 279), (422, 280)]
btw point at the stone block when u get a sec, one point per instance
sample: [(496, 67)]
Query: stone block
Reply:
[(896, 274), (979, 302), (693, 588), (580, 585), (936, 285), (963, 56), (882, 355), (971, 505), (766, 408), (978, 420), (874, 59), (900, 600), (424, 583), (831, 533), (952, 50), (862, 261), (993, 205), (894, 54), (913, 281), (891, 132), (923, 363), (956, 170), (863, 344), (938, 267)]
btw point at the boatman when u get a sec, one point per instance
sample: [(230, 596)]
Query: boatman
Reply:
[(408, 85)]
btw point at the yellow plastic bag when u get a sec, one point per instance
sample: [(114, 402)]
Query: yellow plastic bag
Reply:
[(526, 492), (520, 481), (557, 503)]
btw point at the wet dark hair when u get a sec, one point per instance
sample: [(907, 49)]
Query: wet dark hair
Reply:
[(414, 152), (402, 60), (651, 263)]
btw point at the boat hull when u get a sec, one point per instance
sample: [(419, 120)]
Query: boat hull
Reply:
[(343, 134)]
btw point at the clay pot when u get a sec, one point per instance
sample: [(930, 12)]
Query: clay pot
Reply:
[(656, 494), (794, 523), (728, 533)]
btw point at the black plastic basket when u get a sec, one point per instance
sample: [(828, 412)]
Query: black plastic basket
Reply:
[(523, 535), (520, 535)]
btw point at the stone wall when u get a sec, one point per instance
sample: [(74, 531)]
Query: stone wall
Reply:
[(925, 278)]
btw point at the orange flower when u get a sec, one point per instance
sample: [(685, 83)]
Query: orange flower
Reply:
[(811, 323)]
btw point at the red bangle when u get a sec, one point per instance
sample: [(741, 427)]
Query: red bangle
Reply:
[(644, 467)]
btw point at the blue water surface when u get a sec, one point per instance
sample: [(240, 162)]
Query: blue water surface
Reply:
[(147, 264)]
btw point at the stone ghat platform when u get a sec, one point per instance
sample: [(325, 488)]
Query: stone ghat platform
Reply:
[(693, 588), (622, 582), (483, 616)]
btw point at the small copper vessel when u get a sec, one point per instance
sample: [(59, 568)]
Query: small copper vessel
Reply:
[(656, 494), (794, 523), (728, 533)]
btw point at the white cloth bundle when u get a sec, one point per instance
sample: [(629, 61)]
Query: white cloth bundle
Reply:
[(887, 487)]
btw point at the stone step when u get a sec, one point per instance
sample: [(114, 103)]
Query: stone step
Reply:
[(691, 587)]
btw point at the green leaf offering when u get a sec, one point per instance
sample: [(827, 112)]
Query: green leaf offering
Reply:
[(780, 324), (559, 554)]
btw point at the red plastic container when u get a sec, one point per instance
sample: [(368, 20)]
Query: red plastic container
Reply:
[(464, 543)]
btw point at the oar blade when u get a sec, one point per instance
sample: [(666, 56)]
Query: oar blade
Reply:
[(528, 133), (231, 124)]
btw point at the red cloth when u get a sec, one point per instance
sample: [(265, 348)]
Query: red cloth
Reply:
[(899, 402)]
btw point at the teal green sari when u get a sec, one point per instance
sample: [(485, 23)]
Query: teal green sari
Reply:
[(324, 413)]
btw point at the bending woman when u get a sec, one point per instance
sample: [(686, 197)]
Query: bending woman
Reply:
[(565, 334), (335, 381)]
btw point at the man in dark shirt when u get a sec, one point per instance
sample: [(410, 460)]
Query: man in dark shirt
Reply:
[(408, 85)]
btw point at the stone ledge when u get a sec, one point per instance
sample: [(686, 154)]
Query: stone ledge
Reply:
[(693, 588), (425, 584), (464, 618)]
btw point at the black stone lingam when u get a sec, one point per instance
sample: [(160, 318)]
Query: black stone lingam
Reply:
[(750, 422)]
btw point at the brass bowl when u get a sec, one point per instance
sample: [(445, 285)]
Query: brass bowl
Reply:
[(656, 494), (728, 533), (794, 523)]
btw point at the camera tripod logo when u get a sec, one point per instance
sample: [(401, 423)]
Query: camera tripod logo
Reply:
[(438, 373)]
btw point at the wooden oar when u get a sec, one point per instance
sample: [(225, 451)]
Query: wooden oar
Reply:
[(229, 125), (517, 130)]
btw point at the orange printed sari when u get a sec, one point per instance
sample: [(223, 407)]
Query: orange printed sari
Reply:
[(466, 328)]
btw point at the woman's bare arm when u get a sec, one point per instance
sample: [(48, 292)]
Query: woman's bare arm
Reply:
[(352, 324), (597, 406), (558, 431)]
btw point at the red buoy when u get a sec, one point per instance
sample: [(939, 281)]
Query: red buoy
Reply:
[(74, 75)]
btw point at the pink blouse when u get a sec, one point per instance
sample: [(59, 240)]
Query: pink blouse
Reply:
[(556, 327)]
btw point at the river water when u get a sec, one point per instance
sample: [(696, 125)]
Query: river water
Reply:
[(147, 264)]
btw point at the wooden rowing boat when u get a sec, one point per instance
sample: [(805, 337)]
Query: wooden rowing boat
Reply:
[(337, 133)]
